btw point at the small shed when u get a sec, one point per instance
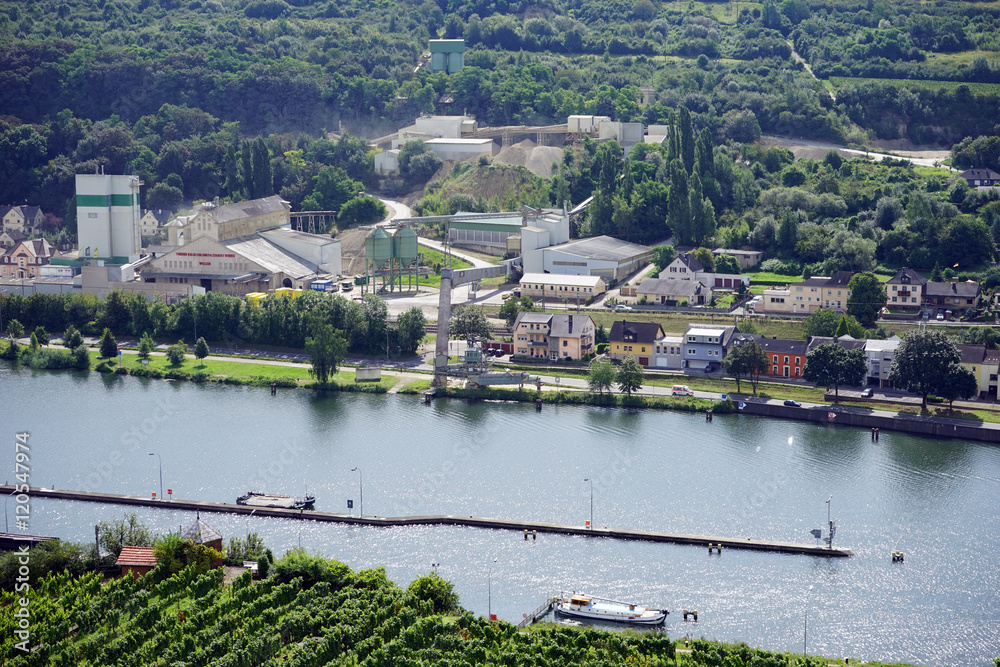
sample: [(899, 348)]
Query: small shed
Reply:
[(137, 561), (200, 532)]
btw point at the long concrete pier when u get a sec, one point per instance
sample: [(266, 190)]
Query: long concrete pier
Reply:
[(442, 520)]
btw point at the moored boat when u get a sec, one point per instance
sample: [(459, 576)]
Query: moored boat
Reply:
[(256, 499), (602, 609)]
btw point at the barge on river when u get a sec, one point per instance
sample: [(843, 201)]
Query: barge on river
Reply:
[(255, 499)]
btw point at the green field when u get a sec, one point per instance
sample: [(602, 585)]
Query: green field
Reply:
[(978, 88)]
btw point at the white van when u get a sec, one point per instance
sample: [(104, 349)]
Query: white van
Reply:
[(681, 390)]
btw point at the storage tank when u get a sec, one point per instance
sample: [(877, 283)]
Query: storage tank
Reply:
[(378, 248), (404, 246)]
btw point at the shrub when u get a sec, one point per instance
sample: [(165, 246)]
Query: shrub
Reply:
[(81, 357), (176, 352), (51, 359)]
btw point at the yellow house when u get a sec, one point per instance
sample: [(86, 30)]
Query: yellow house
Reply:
[(974, 358), (635, 339)]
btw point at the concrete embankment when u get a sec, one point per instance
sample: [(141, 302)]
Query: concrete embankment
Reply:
[(444, 520), (880, 419)]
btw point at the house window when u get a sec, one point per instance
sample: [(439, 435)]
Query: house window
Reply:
[(797, 372), (692, 352), (565, 343), (786, 360), (774, 371), (894, 299)]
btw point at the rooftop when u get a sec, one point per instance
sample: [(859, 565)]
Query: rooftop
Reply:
[(274, 259), (139, 556), (560, 279), (602, 247)]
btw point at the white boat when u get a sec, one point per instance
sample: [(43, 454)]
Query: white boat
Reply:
[(601, 609)]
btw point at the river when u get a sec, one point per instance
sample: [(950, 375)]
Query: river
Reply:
[(738, 476)]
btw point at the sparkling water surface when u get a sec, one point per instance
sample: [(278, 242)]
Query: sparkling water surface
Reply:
[(738, 476)]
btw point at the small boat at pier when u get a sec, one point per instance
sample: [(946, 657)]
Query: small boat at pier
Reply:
[(255, 499), (595, 608)]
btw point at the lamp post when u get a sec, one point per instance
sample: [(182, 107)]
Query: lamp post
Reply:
[(361, 490), (805, 622), (489, 591), (591, 501), (160, 459), (829, 521)]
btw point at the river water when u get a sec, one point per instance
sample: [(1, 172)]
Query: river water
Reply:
[(738, 476)]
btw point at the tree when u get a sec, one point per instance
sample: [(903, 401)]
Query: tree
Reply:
[(842, 329), (922, 363), (511, 308), (436, 589), (263, 177), (629, 376), (663, 255), (411, 327), (327, 348), (127, 532), (361, 211), (470, 321), (823, 322), (867, 298), (14, 331), (748, 358), (727, 264), (601, 375), (176, 353), (81, 357), (109, 346), (178, 554), (41, 335), (679, 203), (959, 382), (146, 345), (201, 348), (72, 338), (830, 365)]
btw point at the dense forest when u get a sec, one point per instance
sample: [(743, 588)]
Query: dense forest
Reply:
[(236, 99)]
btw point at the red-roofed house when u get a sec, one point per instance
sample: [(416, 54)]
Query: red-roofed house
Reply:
[(26, 259), (137, 561)]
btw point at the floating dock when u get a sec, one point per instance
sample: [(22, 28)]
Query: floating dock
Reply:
[(542, 610), (443, 520)]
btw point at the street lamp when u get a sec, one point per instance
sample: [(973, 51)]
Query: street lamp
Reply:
[(161, 472), (361, 490), (591, 501), (489, 591), (805, 622)]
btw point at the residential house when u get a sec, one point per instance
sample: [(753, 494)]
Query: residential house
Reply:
[(880, 354), (558, 286), (668, 351), (673, 292), (787, 357), (686, 267), (952, 296), (21, 218), (136, 561), (974, 358), (26, 259), (553, 335), (980, 177), (9, 239), (152, 221), (905, 289), (846, 342), (809, 295), (634, 339), (705, 346), (990, 369)]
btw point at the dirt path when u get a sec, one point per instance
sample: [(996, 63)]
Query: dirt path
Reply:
[(802, 60)]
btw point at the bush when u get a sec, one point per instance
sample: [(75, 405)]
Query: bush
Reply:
[(176, 352), (72, 338), (439, 591), (43, 359), (81, 357)]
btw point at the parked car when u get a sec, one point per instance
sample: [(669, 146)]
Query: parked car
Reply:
[(793, 404), (622, 306), (867, 393), (681, 390), (940, 317), (506, 295)]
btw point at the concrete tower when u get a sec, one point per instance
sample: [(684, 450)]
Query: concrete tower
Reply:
[(107, 214)]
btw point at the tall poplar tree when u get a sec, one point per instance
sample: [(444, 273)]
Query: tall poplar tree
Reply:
[(686, 138), (263, 178), (678, 202)]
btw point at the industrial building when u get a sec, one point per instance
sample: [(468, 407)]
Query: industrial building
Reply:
[(603, 256), (447, 55), (559, 286), (391, 255)]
